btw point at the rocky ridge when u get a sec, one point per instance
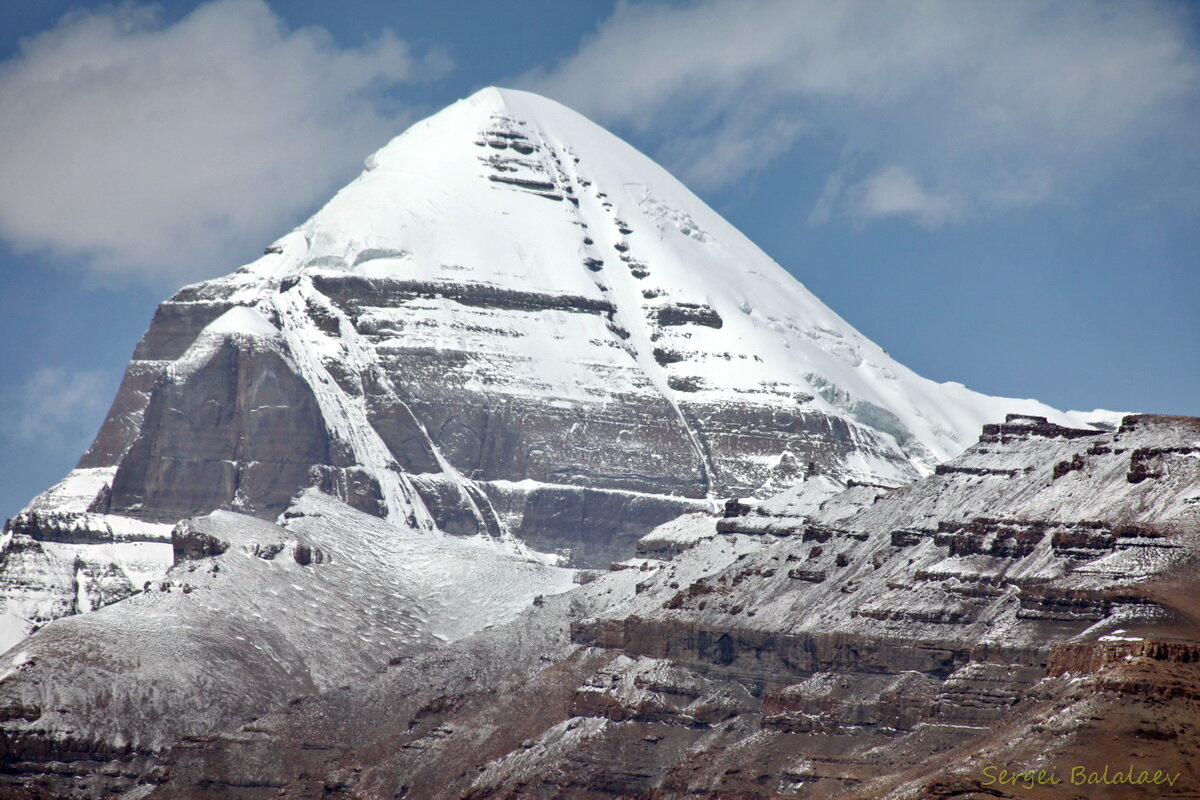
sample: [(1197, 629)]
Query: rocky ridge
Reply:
[(1004, 611)]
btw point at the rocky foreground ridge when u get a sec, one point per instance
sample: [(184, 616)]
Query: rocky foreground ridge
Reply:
[(1031, 605)]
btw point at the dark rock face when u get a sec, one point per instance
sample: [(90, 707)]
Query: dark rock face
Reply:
[(894, 644), (240, 432), (614, 521), (688, 314), (174, 327), (1024, 425)]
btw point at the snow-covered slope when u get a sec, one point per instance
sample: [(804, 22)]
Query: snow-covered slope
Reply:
[(512, 326), (252, 615)]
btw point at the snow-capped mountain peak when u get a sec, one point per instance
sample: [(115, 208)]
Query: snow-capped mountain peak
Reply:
[(512, 326), (510, 191)]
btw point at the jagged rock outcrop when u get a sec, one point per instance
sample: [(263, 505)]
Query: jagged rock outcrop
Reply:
[(64, 554)]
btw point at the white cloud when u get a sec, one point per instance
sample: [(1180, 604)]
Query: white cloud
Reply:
[(990, 105), (57, 410), (162, 150), (731, 152), (891, 192)]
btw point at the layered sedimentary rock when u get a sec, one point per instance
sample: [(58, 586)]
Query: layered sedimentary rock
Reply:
[(1004, 612), (511, 324)]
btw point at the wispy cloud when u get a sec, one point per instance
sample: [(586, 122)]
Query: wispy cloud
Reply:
[(890, 192), (943, 110), (733, 151), (163, 149), (56, 409)]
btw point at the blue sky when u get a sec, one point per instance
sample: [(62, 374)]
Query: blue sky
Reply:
[(1002, 193)]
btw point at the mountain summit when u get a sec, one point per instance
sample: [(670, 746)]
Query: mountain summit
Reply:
[(512, 325), (693, 312)]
